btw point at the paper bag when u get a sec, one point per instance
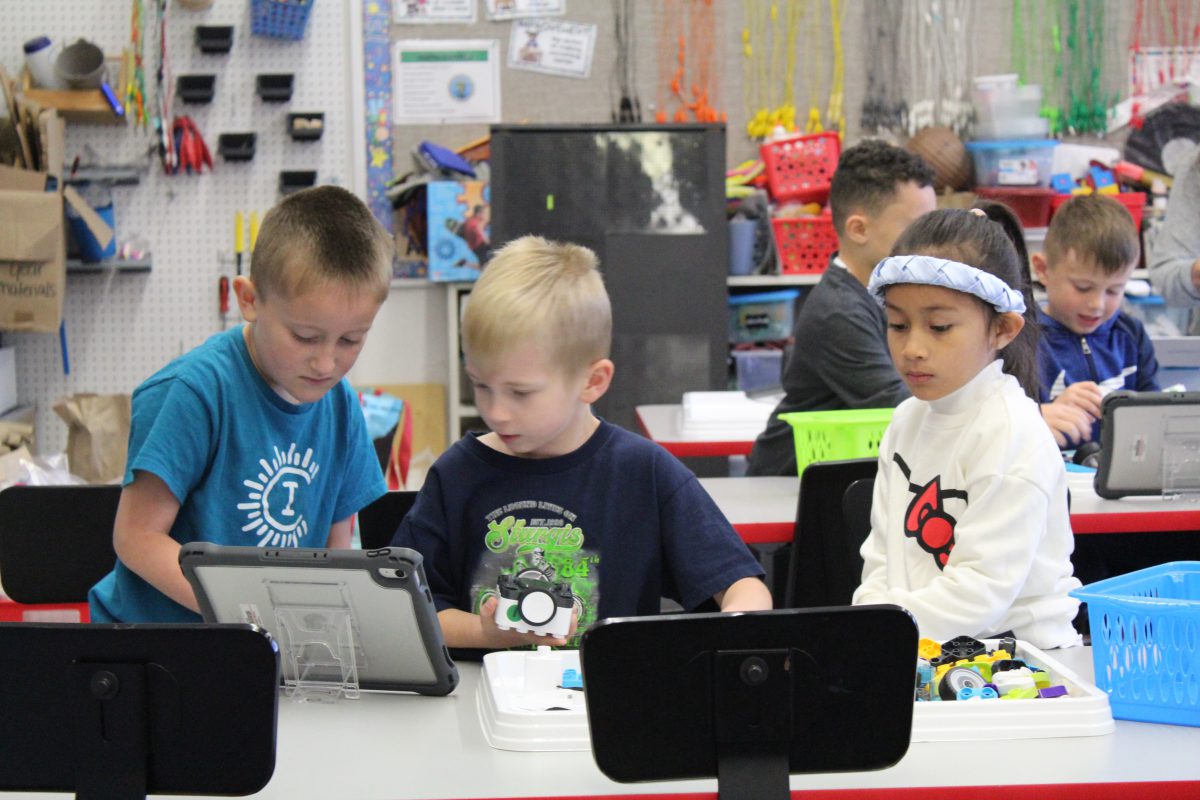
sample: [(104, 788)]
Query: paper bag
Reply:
[(97, 435)]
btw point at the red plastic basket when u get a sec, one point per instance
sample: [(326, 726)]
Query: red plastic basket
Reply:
[(800, 168), (1031, 205), (804, 244), (1134, 202), (49, 612)]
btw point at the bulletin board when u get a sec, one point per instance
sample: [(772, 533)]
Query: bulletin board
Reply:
[(122, 326)]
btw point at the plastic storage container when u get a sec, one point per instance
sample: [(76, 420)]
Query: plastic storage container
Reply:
[(1013, 162), (280, 19), (836, 435), (761, 317), (804, 244), (1004, 110), (758, 370), (800, 168), (1134, 202), (1031, 205), (1146, 642)]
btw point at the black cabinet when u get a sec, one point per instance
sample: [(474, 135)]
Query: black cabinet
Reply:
[(649, 199)]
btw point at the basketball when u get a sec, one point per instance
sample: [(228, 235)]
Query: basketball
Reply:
[(945, 153)]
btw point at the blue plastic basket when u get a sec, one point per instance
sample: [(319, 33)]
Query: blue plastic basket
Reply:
[(280, 19), (1146, 642)]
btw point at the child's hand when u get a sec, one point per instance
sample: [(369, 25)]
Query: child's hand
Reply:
[(496, 637), (1084, 395), (1069, 424)]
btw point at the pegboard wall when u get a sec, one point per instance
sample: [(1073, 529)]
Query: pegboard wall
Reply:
[(121, 327)]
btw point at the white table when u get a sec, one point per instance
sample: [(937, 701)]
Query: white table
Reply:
[(398, 747), (664, 424)]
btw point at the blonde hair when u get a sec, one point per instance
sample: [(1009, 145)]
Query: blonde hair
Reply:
[(318, 237), (534, 289), (1098, 228)]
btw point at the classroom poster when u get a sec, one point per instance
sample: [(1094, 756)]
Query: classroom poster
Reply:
[(515, 9), (444, 81), (552, 47), (460, 230), (434, 11)]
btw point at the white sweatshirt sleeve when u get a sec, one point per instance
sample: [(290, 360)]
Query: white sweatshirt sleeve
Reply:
[(996, 540)]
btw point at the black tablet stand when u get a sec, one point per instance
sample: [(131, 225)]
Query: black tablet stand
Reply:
[(114, 712), (750, 698)]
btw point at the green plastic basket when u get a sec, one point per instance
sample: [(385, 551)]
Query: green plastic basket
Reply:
[(836, 435)]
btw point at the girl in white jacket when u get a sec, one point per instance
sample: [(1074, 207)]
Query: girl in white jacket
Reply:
[(969, 523)]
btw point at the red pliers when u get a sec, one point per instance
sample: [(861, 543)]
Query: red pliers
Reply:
[(190, 149)]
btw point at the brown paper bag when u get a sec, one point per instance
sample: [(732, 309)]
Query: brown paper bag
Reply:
[(97, 435)]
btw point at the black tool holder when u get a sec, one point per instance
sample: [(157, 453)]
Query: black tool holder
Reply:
[(196, 88), (214, 38), (274, 87)]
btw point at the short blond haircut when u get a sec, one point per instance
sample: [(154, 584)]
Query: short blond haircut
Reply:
[(535, 290), (1099, 230), (324, 236)]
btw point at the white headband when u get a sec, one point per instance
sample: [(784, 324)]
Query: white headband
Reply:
[(950, 274)]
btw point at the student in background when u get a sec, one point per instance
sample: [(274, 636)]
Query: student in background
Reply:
[(1089, 347), (552, 493), (840, 359), (1173, 258), (969, 523), (255, 437)]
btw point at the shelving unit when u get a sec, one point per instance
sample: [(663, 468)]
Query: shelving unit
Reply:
[(456, 409)]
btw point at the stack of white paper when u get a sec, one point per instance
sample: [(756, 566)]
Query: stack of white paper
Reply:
[(729, 413)]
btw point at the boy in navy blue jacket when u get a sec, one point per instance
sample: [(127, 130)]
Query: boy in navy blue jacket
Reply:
[(1088, 347), (553, 503)]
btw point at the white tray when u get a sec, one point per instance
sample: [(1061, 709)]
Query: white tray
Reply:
[(1084, 712), (513, 720)]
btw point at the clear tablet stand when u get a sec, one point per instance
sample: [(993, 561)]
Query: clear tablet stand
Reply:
[(1181, 463), (319, 644)]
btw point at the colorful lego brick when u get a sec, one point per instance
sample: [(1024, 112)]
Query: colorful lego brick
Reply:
[(1053, 691), (1102, 181), (572, 679), (1062, 183), (928, 649)]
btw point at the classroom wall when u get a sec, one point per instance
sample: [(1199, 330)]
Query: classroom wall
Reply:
[(121, 327), (414, 321)]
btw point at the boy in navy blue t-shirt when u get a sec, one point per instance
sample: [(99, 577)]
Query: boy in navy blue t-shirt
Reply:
[(255, 437), (553, 496)]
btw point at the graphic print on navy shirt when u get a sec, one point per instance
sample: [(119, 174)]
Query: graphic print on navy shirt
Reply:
[(275, 498), (541, 542), (926, 520)]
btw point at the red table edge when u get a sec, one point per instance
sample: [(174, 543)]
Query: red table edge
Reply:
[(1132, 522), (1159, 790), (1136, 522)]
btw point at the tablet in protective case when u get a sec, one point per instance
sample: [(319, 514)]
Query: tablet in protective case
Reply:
[(319, 604), (1139, 429)]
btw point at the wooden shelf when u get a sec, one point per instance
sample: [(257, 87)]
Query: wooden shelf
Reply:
[(77, 105), (77, 267)]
